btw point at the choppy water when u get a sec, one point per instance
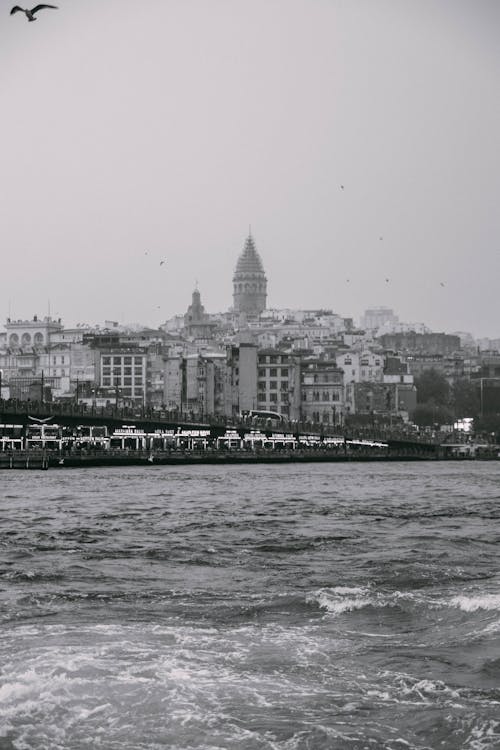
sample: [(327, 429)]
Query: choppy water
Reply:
[(284, 607)]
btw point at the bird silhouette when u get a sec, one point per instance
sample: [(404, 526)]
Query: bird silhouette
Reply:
[(381, 238), (441, 283), (162, 262), (341, 187), (30, 14), (387, 281)]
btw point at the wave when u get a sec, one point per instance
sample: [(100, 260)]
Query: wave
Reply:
[(475, 603), (342, 599)]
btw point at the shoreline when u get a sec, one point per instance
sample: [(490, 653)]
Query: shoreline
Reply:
[(25, 460)]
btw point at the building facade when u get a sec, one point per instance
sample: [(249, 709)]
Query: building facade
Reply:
[(322, 392)]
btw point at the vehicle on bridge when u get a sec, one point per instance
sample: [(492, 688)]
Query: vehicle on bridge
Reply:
[(262, 418)]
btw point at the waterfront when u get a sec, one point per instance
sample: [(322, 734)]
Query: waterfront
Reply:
[(284, 607)]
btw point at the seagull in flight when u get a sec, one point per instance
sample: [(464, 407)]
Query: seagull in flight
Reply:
[(162, 262), (30, 14)]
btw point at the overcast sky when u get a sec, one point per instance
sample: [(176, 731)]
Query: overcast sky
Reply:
[(169, 126)]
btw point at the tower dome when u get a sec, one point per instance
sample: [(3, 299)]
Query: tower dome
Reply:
[(249, 281)]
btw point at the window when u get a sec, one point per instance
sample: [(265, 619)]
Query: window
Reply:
[(284, 372), (106, 360), (127, 360), (262, 372), (138, 361), (284, 385), (106, 381), (273, 372), (127, 381), (273, 385), (273, 359), (273, 397), (127, 370), (106, 370)]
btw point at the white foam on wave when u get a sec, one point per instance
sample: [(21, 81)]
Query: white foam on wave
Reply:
[(475, 603), (341, 599)]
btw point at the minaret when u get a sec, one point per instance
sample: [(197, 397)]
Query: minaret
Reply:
[(249, 281)]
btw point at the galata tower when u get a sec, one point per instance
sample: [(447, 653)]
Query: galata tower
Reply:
[(249, 281)]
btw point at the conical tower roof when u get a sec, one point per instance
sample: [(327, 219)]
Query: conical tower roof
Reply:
[(249, 260)]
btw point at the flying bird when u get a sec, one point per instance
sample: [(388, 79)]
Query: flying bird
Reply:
[(30, 14), (441, 283), (162, 262), (341, 187), (387, 281)]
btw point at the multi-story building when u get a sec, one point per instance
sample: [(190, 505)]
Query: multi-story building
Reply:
[(278, 383), (322, 391), (423, 343), (196, 384), (37, 333), (241, 393), (376, 317), (125, 372), (361, 366)]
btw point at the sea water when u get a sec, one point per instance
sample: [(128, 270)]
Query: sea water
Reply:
[(277, 607)]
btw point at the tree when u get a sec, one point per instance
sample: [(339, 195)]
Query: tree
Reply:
[(432, 388), (465, 398), (428, 415)]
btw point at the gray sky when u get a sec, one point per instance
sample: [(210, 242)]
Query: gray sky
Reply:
[(169, 126)]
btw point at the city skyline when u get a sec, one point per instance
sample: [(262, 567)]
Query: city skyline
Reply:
[(359, 140)]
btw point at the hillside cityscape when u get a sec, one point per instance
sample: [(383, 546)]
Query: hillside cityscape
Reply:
[(307, 365)]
